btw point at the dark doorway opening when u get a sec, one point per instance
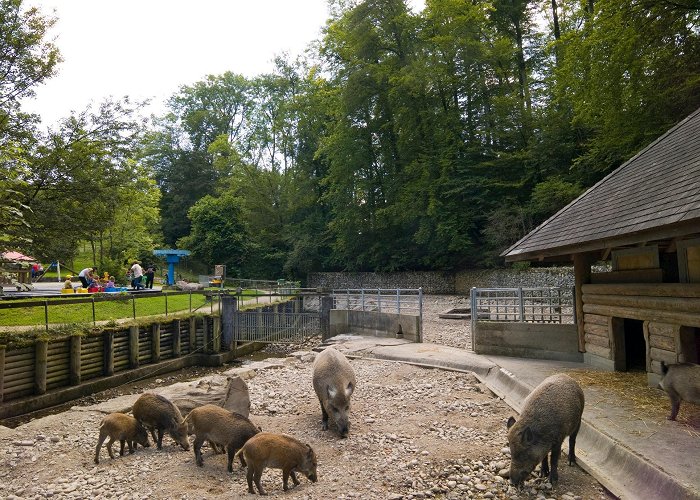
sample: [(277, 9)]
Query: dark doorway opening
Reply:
[(690, 344), (635, 345)]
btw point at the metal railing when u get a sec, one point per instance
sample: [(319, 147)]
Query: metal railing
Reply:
[(532, 305), (276, 327), (388, 300)]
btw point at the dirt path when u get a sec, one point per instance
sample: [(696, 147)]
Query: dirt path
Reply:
[(415, 433)]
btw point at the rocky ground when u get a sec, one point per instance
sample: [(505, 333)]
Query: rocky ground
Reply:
[(415, 433)]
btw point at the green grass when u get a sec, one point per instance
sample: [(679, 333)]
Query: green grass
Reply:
[(104, 311)]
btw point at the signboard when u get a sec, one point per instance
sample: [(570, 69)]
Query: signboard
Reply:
[(220, 270)]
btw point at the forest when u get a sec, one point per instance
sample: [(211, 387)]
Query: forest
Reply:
[(400, 140)]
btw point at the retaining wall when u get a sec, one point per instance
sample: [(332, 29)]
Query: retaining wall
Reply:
[(374, 324), (527, 340)]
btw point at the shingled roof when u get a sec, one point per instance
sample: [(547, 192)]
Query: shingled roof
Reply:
[(655, 195)]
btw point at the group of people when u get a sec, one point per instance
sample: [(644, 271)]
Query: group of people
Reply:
[(88, 278), (136, 275)]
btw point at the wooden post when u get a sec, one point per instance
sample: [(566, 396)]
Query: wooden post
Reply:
[(76, 343), (193, 334), (134, 346), (177, 348), (155, 343), (206, 338), (2, 371), (228, 310), (41, 351), (582, 275), (326, 305), (109, 353), (216, 334)]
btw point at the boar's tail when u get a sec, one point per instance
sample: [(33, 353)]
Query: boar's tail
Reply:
[(664, 368)]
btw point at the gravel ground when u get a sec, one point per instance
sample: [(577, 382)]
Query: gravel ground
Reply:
[(415, 433)]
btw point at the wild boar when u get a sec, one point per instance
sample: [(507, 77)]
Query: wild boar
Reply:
[(221, 427), (334, 382), (551, 412), (277, 451), (125, 429), (682, 383), (157, 413)]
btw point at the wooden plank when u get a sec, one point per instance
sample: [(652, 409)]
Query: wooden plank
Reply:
[(603, 331), (661, 342), (667, 357), (636, 276), (671, 304), (2, 372), (686, 319), (596, 319), (40, 363), (691, 290), (598, 340), (603, 352)]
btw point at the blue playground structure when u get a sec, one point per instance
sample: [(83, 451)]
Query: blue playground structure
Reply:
[(172, 257)]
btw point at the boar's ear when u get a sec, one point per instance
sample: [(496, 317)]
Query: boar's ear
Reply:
[(528, 437), (510, 422), (331, 392), (349, 389)]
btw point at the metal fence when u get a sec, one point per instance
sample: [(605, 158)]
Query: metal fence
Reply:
[(533, 305), (388, 300), (126, 305)]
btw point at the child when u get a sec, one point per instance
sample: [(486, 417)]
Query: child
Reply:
[(110, 283), (68, 284)]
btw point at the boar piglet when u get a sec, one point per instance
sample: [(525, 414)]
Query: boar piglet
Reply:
[(277, 451), (122, 428), (157, 413), (682, 383), (334, 382), (220, 427), (551, 412)]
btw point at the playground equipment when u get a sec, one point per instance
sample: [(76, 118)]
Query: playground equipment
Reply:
[(172, 257)]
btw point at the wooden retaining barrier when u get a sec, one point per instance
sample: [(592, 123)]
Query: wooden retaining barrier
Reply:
[(49, 365)]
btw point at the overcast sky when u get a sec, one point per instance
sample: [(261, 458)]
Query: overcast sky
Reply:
[(148, 48)]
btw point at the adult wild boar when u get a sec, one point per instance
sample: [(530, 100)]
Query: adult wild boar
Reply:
[(122, 428), (682, 383), (277, 451), (334, 383), (551, 412), (221, 427), (157, 413)]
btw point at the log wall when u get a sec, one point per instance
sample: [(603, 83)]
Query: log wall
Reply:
[(667, 309), (71, 361)]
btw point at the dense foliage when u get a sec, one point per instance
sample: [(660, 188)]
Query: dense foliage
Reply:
[(428, 140)]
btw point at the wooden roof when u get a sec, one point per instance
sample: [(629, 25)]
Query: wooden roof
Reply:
[(654, 195)]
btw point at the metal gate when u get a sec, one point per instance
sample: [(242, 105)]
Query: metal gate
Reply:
[(290, 322)]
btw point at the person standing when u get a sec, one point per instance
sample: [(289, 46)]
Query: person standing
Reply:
[(85, 276), (150, 274), (136, 275)]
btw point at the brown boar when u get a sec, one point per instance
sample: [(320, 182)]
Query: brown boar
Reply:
[(334, 382), (277, 451), (125, 429), (551, 412), (682, 383), (220, 427), (157, 413)]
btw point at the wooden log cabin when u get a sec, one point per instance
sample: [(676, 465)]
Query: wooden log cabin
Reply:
[(643, 220)]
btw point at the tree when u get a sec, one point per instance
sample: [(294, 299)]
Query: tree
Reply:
[(218, 234), (26, 60)]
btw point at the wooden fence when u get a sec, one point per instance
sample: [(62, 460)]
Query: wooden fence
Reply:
[(70, 361)]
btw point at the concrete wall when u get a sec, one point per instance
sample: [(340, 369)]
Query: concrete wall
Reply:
[(374, 324), (527, 340)]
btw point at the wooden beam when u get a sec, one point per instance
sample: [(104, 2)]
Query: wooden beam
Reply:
[(582, 275)]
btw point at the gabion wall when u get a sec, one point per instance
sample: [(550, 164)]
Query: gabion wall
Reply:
[(447, 283)]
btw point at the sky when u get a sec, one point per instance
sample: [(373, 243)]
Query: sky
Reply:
[(147, 49)]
